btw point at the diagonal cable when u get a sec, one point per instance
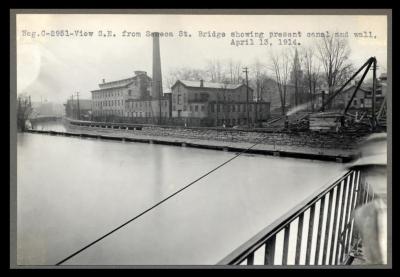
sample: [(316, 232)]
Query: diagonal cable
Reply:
[(158, 203)]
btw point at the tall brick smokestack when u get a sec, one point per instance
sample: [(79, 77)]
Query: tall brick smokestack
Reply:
[(156, 88)]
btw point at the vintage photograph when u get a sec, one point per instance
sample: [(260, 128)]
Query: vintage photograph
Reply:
[(201, 138)]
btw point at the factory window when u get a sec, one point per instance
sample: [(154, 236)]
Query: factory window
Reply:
[(250, 108), (173, 108), (184, 108), (130, 92), (355, 102), (361, 100), (191, 108), (179, 99), (233, 108), (202, 108), (218, 107), (212, 108), (196, 108), (196, 96)]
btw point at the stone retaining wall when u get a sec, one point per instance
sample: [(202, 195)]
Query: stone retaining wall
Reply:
[(309, 139)]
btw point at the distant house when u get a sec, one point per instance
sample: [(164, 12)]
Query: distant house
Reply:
[(361, 100), (216, 104)]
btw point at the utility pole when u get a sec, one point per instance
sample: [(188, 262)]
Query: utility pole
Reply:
[(79, 111), (159, 100), (247, 96), (373, 93), (258, 96), (216, 111), (72, 107)]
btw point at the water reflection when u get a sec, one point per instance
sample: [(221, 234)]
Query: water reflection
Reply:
[(72, 191)]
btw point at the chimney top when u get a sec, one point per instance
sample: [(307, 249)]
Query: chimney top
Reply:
[(201, 83), (104, 80)]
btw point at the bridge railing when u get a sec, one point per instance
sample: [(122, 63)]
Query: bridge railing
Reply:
[(318, 231)]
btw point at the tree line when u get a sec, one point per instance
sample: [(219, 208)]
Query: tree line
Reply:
[(325, 64)]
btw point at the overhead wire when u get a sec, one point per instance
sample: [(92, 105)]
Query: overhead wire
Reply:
[(159, 203)]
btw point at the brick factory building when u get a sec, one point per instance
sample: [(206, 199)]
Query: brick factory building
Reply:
[(109, 100), (148, 110)]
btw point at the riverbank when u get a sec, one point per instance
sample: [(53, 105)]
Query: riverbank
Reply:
[(327, 147)]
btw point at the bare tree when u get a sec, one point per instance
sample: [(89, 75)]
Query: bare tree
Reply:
[(184, 73), (296, 75), (234, 71), (281, 71), (312, 69), (214, 70), (258, 80), (334, 56), (255, 79), (24, 110), (225, 104)]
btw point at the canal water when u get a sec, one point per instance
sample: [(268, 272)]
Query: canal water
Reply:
[(71, 191)]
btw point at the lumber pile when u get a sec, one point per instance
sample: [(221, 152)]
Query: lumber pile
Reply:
[(325, 121)]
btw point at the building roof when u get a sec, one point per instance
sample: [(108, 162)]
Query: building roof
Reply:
[(120, 83), (353, 86), (212, 85), (113, 87)]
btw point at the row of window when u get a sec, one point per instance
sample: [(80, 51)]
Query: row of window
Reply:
[(192, 108), (233, 108), (177, 98), (233, 121), (144, 114), (107, 94), (220, 107), (109, 112), (138, 104), (109, 103)]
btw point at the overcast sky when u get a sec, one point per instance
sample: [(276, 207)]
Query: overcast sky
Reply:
[(56, 67)]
